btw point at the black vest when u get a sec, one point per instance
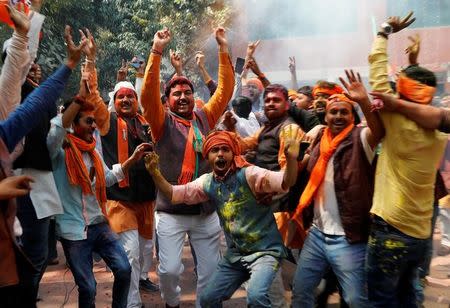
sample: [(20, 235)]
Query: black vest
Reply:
[(141, 186)]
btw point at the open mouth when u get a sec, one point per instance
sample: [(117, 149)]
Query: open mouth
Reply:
[(221, 163)]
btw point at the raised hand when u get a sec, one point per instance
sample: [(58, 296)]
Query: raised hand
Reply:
[(398, 24), (152, 162), (15, 186), (84, 84), (221, 39), (355, 88), (161, 39), (73, 51), (292, 137), (200, 59), (19, 18), (251, 47), (413, 50), (229, 121), (292, 67), (123, 71), (90, 49), (251, 64), (36, 5), (141, 150), (176, 61), (140, 70)]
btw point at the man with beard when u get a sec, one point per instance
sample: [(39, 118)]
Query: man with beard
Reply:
[(339, 192), (255, 248), (178, 135), (130, 205), (321, 92)]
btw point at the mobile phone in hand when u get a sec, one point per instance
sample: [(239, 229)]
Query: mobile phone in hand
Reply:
[(239, 66)]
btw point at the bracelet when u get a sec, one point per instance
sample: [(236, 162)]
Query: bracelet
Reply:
[(156, 51), (382, 34)]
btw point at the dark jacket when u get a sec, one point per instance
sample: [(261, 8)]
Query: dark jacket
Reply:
[(141, 186), (353, 184)]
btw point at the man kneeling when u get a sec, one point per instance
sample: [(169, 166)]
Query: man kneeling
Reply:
[(255, 247)]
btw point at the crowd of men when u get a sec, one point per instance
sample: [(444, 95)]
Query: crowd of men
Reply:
[(344, 183)]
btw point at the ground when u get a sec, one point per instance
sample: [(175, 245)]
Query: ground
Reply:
[(57, 288)]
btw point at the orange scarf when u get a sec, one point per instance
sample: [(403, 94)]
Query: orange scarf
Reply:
[(190, 159), (122, 144), (328, 146), (414, 90), (77, 171)]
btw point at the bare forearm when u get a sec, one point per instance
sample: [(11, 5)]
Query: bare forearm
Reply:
[(294, 83), (424, 115), (162, 185), (290, 174), (70, 114), (374, 123), (204, 73)]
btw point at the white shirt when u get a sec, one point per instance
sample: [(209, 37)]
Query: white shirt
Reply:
[(326, 211)]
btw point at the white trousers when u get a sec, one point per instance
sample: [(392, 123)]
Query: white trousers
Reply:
[(139, 251), (204, 233)]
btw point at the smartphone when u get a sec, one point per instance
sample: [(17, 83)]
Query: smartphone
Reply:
[(239, 66), (304, 145)]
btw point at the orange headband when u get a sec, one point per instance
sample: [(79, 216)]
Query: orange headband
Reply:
[(339, 98), (257, 83), (414, 90), (225, 138), (336, 90)]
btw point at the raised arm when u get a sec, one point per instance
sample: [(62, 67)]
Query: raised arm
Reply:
[(357, 93), (378, 76), (257, 71), (153, 110), (101, 112), (41, 100), (209, 82), (219, 101), (16, 62), (177, 62), (293, 71)]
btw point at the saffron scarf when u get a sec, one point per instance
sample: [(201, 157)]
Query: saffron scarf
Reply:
[(194, 144), (328, 146), (77, 171), (414, 90), (122, 144)]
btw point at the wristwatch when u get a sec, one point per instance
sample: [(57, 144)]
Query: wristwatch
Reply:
[(387, 28)]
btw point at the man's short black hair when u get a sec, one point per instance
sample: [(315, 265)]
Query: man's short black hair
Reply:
[(276, 88), (421, 75)]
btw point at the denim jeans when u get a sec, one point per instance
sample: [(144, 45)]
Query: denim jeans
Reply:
[(228, 277), (322, 252), (34, 243), (392, 264), (102, 240)]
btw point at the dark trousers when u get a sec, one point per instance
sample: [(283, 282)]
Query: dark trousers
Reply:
[(34, 243), (102, 240), (392, 263)]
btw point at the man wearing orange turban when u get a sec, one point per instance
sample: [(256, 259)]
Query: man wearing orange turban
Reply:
[(255, 247)]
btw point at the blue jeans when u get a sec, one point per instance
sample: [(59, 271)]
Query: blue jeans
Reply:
[(228, 277), (34, 243), (102, 240), (392, 264), (322, 252)]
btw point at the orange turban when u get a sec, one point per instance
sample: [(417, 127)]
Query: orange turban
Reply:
[(256, 82), (335, 90), (414, 90), (225, 138), (339, 98), (292, 93)]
